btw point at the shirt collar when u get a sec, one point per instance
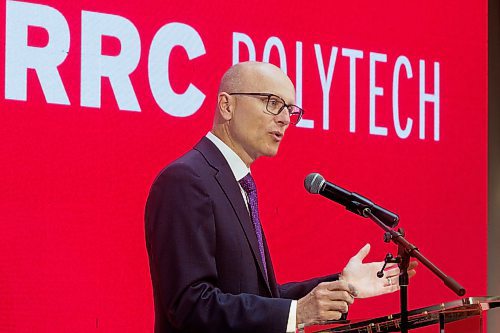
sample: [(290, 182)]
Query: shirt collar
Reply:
[(238, 167)]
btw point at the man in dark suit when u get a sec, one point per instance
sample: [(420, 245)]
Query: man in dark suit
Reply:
[(209, 261)]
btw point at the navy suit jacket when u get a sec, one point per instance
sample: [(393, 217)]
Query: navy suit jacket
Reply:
[(204, 256)]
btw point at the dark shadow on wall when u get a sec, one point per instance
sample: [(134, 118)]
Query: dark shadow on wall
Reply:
[(494, 160)]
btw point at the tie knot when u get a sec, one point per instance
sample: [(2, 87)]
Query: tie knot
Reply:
[(247, 183)]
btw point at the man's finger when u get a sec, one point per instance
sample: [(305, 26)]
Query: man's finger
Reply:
[(395, 271), (391, 272), (392, 288), (330, 315), (342, 296), (361, 253), (338, 306), (390, 265), (335, 285)]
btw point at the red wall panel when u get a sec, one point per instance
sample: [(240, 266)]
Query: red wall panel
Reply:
[(75, 177)]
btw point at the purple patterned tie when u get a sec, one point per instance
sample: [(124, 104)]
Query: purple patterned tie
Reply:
[(248, 184)]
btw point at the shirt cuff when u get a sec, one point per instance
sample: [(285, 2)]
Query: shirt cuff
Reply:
[(291, 326)]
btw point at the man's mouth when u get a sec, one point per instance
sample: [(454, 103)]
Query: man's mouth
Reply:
[(277, 135)]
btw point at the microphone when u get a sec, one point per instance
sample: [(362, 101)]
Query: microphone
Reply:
[(316, 184)]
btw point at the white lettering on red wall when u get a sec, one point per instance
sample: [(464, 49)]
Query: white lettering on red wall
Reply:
[(44, 61)]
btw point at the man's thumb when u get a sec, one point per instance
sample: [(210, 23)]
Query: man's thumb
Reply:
[(361, 255)]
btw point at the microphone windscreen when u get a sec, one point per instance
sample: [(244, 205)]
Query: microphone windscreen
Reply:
[(314, 182)]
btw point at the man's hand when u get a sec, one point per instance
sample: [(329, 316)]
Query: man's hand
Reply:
[(363, 276), (328, 301)]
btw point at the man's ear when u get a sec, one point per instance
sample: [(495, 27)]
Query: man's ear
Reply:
[(225, 106)]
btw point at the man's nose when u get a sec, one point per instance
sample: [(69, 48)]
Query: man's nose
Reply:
[(283, 117)]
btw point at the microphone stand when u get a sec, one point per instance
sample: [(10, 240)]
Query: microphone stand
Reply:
[(405, 251)]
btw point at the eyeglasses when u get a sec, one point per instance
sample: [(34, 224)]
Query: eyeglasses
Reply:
[(276, 104)]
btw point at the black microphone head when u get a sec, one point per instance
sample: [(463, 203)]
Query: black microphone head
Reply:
[(314, 182)]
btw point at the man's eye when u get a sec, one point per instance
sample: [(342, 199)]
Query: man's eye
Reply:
[(274, 102)]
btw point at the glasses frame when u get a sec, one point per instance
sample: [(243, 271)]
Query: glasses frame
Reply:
[(269, 95)]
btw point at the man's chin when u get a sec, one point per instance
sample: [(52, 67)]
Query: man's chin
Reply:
[(272, 152)]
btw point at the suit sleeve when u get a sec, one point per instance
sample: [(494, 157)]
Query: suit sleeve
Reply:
[(296, 290), (181, 241)]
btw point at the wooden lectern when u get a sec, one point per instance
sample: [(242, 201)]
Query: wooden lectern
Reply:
[(460, 316)]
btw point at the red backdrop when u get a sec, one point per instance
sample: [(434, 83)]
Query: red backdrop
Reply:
[(94, 105)]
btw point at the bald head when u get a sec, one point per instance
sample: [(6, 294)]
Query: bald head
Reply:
[(251, 75), (241, 119)]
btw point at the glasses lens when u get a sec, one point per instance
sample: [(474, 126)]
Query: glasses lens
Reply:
[(295, 114), (274, 104)]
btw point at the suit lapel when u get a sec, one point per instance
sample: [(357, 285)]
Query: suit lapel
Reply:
[(230, 187), (273, 286)]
